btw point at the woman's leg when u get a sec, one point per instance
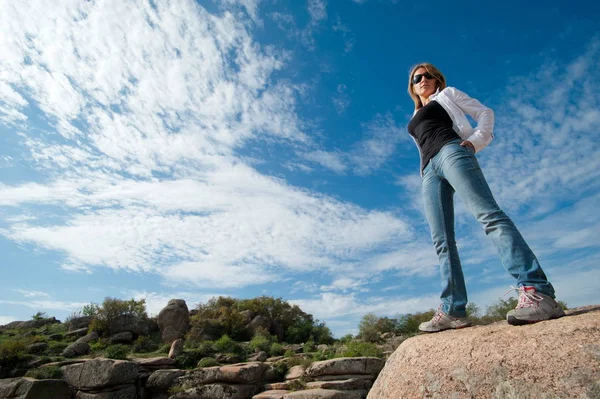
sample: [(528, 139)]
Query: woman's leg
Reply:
[(438, 198), (459, 166)]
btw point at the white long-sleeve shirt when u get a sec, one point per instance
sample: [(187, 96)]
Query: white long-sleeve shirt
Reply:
[(458, 104)]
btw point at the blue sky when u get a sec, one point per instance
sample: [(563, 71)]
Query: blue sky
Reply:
[(182, 149)]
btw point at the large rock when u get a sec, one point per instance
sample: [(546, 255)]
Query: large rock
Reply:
[(37, 323), (348, 365), (244, 373), (328, 394), (162, 380), (174, 320), (129, 323), (29, 388), (259, 322), (121, 392), (88, 338), (77, 323), (76, 349), (551, 359), (100, 373), (218, 391)]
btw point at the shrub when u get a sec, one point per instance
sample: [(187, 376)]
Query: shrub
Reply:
[(144, 344), (207, 362), (188, 359), (56, 348), (39, 316), (226, 344), (346, 338), (164, 348), (362, 348), (260, 342), (308, 347), (45, 373), (276, 349), (206, 347), (118, 351), (112, 308), (280, 369), (99, 345), (289, 353), (11, 353)]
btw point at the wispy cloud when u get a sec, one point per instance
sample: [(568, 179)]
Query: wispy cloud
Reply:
[(347, 35), (341, 100), (31, 294)]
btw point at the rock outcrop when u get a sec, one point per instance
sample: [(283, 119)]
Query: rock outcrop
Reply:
[(174, 320), (551, 359), (29, 388)]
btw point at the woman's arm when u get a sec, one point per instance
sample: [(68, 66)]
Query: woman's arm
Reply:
[(484, 116)]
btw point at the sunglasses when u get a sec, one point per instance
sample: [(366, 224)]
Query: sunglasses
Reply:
[(417, 78)]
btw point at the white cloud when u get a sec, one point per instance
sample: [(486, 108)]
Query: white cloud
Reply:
[(347, 35), (46, 305), (341, 100), (330, 160), (317, 10), (30, 294)]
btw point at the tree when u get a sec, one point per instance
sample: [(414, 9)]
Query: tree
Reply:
[(367, 328)]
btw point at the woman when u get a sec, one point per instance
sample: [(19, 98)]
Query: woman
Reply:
[(447, 145)]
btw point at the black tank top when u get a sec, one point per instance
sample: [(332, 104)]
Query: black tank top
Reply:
[(432, 128)]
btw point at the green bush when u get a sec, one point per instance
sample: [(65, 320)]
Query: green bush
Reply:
[(276, 349), (223, 315), (289, 353), (112, 308), (45, 373), (144, 344), (227, 345), (39, 316), (308, 347), (208, 362), (164, 348), (118, 351), (362, 348), (206, 347), (56, 347), (189, 359), (260, 342), (280, 369), (12, 353)]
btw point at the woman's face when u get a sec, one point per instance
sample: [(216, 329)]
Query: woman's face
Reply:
[(425, 87)]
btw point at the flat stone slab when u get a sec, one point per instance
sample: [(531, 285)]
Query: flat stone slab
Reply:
[(326, 394), (342, 385), (349, 365), (243, 373), (295, 372), (128, 392), (367, 377), (218, 391), (154, 361), (272, 394), (100, 373), (65, 363)]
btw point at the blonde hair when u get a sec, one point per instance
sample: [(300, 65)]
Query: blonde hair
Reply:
[(440, 81)]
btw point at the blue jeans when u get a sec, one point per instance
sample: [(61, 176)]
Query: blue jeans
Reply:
[(455, 168)]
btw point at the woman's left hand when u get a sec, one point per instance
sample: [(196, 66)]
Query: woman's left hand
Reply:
[(467, 143)]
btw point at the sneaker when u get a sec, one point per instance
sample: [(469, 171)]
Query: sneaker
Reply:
[(533, 307), (441, 321)]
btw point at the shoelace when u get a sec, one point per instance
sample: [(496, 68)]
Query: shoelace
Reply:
[(438, 315), (527, 299)]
